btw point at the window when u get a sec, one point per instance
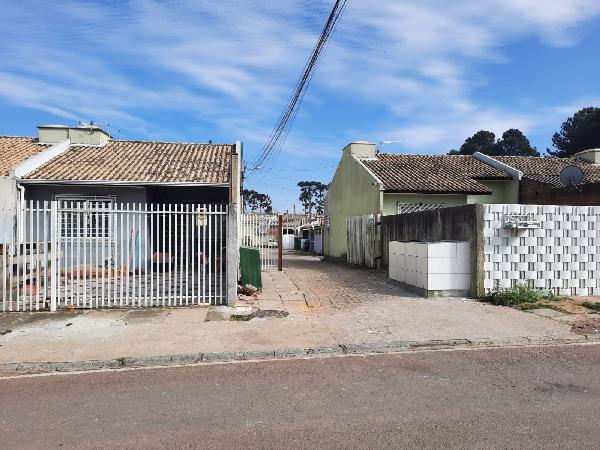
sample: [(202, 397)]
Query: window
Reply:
[(404, 208), (85, 216)]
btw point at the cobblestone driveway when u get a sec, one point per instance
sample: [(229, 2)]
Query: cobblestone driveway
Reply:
[(325, 284)]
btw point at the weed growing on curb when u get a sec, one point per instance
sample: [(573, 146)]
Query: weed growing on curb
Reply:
[(592, 306), (521, 295), (240, 318)]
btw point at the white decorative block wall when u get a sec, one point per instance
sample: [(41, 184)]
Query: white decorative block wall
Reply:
[(433, 266), (563, 255)]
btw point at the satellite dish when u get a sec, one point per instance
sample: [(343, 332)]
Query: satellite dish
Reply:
[(571, 176)]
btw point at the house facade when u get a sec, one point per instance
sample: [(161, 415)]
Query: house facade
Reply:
[(368, 182), (162, 216)]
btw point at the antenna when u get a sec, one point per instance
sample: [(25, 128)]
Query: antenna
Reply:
[(571, 176), (387, 142)]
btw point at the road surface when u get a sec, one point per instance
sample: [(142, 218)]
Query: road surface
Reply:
[(486, 399)]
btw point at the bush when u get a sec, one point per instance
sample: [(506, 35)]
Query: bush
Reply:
[(517, 295), (592, 306)]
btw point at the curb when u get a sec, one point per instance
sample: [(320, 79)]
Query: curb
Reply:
[(27, 368)]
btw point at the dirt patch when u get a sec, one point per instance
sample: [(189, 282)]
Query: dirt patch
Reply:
[(142, 315), (586, 325)]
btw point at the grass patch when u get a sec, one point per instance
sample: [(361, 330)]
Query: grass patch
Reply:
[(528, 306), (520, 294), (592, 306), (240, 318)]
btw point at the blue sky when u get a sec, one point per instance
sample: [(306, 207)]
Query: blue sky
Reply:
[(428, 73)]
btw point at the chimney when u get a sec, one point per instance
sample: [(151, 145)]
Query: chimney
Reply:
[(361, 149), (79, 135), (591, 156)]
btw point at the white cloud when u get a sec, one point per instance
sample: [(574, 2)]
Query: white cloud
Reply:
[(230, 65)]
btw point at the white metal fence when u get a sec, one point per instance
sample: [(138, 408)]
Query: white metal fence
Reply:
[(69, 254), (260, 231)]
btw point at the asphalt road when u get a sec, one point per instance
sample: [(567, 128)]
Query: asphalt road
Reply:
[(511, 398)]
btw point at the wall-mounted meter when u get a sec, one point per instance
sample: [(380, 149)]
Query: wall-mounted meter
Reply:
[(521, 222)]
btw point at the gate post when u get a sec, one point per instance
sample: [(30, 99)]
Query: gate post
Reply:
[(280, 242), (233, 253), (54, 254)]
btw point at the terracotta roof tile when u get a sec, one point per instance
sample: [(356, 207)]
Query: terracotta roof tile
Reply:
[(14, 150), (547, 170), (139, 161), (432, 173)]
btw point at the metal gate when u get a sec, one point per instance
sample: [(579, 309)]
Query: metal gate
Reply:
[(102, 255), (260, 231)]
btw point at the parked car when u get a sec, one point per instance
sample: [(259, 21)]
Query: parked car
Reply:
[(272, 243)]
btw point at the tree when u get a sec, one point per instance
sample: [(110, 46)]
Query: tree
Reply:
[(482, 142), (514, 143), (256, 201), (312, 195), (577, 133)]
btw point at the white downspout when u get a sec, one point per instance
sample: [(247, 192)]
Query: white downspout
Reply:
[(21, 209)]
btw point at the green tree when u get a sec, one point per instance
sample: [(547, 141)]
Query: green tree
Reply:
[(254, 201), (312, 195), (482, 142), (514, 143), (577, 133)]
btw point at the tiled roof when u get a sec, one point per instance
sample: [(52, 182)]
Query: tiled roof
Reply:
[(14, 150), (432, 173), (547, 170), (140, 161)]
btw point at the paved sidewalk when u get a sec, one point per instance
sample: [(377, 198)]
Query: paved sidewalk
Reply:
[(329, 304)]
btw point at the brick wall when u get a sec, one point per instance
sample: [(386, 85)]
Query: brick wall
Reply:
[(535, 193), (562, 256)]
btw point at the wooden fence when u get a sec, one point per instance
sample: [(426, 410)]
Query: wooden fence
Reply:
[(363, 234)]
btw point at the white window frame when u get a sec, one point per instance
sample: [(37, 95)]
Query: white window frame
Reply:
[(69, 204)]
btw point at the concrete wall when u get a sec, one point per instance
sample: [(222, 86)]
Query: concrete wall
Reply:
[(353, 192), (563, 255), (459, 223)]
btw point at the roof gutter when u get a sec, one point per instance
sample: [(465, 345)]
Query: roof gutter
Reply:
[(120, 183), (36, 161), (486, 159)]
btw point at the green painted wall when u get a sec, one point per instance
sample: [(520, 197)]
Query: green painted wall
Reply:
[(353, 192), (503, 191), (390, 201)]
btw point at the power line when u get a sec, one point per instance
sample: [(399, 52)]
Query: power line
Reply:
[(279, 134)]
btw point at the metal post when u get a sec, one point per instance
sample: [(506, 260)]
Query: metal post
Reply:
[(54, 252), (233, 253), (280, 242)]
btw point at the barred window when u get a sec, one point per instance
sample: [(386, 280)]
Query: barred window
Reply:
[(404, 208), (85, 216)]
